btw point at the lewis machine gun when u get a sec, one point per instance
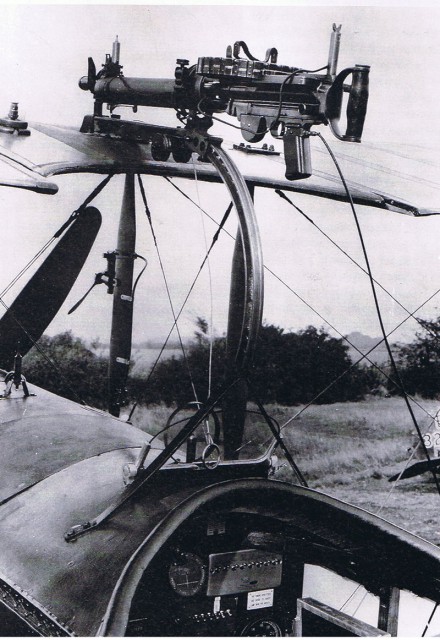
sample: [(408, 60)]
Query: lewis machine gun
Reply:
[(265, 97)]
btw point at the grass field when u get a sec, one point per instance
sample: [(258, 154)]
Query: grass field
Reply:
[(349, 450)]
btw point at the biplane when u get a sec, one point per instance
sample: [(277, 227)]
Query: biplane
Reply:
[(205, 528)]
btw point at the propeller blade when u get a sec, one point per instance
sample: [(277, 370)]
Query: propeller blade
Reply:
[(40, 300), (416, 469)]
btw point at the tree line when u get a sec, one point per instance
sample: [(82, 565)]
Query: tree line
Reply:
[(419, 362), (289, 368)]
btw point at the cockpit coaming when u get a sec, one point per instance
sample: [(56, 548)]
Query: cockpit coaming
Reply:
[(232, 560)]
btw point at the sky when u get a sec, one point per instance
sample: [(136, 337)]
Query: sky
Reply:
[(44, 53)]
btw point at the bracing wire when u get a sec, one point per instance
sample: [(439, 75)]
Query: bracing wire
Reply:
[(328, 177), (345, 253), (378, 310), (418, 320), (410, 314), (430, 620), (350, 597), (28, 266), (56, 235), (311, 221), (364, 356), (188, 294), (355, 363), (162, 268), (211, 299), (361, 602), (316, 312)]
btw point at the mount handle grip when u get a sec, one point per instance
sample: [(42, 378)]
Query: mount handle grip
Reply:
[(357, 103)]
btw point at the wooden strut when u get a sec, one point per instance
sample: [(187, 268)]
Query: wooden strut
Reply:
[(252, 307), (122, 318)]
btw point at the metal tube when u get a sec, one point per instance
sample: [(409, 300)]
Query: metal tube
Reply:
[(116, 51), (235, 401), (144, 92), (333, 54)]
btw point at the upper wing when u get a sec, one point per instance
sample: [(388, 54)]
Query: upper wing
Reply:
[(399, 178), (16, 172)]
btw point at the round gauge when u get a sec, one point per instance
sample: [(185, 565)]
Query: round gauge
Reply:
[(262, 628), (187, 574)]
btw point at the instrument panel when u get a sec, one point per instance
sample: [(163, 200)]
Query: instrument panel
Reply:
[(187, 574), (225, 576)]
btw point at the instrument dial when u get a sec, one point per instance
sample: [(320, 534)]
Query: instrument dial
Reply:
[(187, 574), (262, 628)]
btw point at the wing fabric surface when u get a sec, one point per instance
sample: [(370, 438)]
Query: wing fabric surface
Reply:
[(15, 173), (401, 178)]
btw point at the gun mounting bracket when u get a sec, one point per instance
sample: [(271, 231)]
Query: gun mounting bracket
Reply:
[(10, 381), (15, 378), (180, 142)]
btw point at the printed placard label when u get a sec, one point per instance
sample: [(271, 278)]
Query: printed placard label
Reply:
[(260, 599)]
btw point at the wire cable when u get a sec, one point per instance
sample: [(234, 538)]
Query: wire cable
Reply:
[(214, 240), (345, 253), (211, 299), (316, 312), (378, 310), (350, 597), (430, 620), (58, 233), (277, 277), (162, 268), (368, 272), (363, 355)]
